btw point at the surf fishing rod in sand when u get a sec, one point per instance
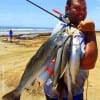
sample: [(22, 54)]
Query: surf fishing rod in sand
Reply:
[(61, 18)]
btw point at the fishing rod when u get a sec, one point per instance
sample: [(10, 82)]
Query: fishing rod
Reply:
[(61, 18)]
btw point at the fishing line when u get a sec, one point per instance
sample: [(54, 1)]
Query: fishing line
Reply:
[(61, 18), (87, 85), (3, 79), (43, 9)]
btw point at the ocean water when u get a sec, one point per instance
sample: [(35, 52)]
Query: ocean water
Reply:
[(4, 30)]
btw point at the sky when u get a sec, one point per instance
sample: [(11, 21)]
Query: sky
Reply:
[(22, 13)]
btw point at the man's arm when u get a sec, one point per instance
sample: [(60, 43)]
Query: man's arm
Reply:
[(91, 51)]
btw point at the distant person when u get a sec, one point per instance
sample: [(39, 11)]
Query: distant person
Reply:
[(10, 35)]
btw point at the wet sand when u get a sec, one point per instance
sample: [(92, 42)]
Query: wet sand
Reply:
[(14, 57)]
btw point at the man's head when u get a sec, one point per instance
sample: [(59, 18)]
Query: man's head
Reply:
[(76, 10)]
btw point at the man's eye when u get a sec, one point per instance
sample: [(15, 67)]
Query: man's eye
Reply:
[(77, 8)]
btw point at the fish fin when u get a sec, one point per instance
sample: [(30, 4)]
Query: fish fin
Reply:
[(13, 95)]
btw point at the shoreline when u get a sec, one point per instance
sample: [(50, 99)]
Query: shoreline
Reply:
[(14, 57), (24, 36)]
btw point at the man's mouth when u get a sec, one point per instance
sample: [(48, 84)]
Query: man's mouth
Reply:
[(80, 18)]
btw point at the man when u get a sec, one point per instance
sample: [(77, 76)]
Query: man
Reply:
[(76, 11), (10, 35)]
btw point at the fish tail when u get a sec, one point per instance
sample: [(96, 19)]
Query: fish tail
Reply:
[(70, 96), (13, 95), (53, 91)]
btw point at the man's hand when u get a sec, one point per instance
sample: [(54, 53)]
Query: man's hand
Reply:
[(86, 26), (91, 51)]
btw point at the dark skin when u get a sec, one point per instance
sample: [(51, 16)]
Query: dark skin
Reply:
[(77, 13), (91, 50)]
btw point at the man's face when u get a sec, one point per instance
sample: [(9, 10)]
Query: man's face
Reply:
[(77, 11)]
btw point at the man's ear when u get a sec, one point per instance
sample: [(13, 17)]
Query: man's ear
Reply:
[(67, 8)]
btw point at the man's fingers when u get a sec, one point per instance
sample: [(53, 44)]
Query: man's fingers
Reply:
[(86, 26)]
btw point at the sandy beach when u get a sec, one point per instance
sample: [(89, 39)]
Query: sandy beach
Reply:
[(14, 57)]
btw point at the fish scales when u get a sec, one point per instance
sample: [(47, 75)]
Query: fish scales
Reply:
[(37, 64)]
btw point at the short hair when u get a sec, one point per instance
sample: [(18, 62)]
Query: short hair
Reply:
[(69, 2)]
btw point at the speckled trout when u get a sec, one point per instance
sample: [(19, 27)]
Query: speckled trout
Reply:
[(37, 64), (73, 63), (61, 60)]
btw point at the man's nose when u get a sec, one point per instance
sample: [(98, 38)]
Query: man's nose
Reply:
[(82, 12)]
